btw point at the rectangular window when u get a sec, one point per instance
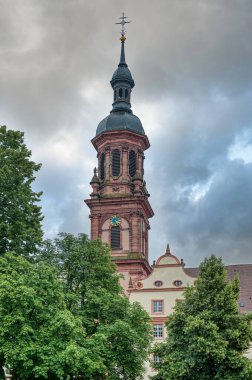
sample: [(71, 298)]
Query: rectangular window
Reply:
[(156, 359), (115, 237), (158, 331), (157, 306)]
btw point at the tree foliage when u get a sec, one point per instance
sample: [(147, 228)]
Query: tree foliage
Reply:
[(207, 336), (20, 216), (39, 336), (93, 294), (65, 315)]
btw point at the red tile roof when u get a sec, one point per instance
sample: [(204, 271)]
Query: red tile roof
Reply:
[(244, 272)]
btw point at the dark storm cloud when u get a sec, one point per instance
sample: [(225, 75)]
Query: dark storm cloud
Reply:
[(206, 194), (192, 64)]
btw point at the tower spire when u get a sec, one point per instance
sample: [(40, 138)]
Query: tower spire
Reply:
[(122, 62), (122, 81)]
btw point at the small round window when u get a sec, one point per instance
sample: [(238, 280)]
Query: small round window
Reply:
[(177, 283), (158, 283)]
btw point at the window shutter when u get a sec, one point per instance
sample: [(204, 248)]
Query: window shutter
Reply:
[(116, 162), (102, 163), (132, 163)]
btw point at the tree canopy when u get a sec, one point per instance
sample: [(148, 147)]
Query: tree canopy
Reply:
[(39, 336), (65, 315), (20, 215), (207, 336), (93, 294)]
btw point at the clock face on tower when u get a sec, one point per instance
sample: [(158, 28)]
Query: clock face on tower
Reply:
[(115, 220)]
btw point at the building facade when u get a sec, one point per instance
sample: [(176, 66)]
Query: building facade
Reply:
[(120, 212), (158, 294)]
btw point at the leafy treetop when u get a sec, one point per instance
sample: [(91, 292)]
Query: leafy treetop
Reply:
[(65, 315), (207, 336), (93, 293), (20, 216)]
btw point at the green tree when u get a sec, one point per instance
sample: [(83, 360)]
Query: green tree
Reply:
[(20, 216), (207, 336), (93, 294), (39, 337)]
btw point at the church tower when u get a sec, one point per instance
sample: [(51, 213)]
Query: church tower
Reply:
[(119, 205)]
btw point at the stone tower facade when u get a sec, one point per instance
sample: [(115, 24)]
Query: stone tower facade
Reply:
[(119, 205)]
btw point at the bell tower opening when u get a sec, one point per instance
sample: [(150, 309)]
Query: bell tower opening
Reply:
[(116, 163), (132, 163), (102, 167)]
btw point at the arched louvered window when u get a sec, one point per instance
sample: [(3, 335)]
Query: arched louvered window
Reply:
[(102, 166), (126, 93), (116, 162), (132, 163), (115, 237), (120, 92)]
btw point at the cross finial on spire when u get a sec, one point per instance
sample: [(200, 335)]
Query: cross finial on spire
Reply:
[(122, 23)]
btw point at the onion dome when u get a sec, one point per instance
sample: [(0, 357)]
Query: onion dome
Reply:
[(122, 73), (120, 120), (121, 116)]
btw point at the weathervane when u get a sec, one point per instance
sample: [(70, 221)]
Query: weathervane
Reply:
[(122, 23)]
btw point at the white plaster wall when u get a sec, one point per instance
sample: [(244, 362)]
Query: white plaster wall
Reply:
[(168, 275), (169, 298), (167, 259), (169, 293)]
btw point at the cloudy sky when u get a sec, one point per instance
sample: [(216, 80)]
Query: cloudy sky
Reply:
[(192, 64)]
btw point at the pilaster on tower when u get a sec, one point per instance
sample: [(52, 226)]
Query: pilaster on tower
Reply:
[(119, 205)]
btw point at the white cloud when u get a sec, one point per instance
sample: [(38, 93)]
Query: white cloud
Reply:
[(241, 149), (200, 190), (62, 148), (94, 91)]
